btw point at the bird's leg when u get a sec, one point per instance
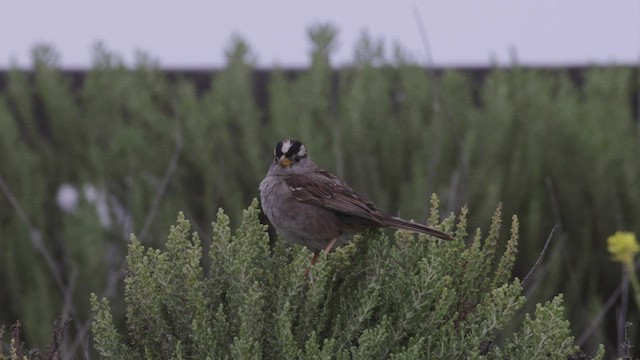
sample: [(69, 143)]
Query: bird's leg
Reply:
[(313, 261), (317, 253), (330, 245)]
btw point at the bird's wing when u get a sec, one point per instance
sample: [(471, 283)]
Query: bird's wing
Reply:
[(323, 189)]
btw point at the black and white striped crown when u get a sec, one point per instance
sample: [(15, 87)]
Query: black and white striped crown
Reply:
[(290, 148)]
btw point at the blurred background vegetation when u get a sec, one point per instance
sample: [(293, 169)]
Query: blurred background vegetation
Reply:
[(86, 158)]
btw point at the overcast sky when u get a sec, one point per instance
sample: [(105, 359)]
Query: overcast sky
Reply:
[(194, 33)]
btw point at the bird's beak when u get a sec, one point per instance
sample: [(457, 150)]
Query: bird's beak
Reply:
[(285, 162)]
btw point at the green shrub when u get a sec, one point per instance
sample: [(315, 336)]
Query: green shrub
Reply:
[(400, 297)]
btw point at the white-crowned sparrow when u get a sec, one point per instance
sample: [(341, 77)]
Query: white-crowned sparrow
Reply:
[(310, 206)]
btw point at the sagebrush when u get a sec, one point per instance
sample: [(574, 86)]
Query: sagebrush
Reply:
[(379, 297)]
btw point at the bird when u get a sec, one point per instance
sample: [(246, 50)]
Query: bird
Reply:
[(312, 207)]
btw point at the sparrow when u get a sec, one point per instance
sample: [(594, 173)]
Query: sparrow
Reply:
[(312, 207)]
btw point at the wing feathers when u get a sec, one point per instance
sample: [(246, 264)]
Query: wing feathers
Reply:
[(327, 191)]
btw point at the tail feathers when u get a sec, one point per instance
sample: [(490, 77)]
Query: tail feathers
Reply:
[(398, 223)]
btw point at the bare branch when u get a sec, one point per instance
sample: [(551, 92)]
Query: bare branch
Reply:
[(595, 323), (553, 201), (81, 340), (35, 236), (544, 250), (622, 313), (441, 111), (435, 84), (162, 189)]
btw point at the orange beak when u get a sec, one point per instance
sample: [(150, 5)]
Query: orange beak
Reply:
[(285, 162)]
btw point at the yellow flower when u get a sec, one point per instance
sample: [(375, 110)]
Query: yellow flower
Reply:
[(624, 247)]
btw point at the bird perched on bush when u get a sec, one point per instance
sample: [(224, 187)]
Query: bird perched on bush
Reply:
[(312, 207)]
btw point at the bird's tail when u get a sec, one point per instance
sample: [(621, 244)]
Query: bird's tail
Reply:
[(398, 223)]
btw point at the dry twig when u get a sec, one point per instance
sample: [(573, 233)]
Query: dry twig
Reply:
[(539, 260)]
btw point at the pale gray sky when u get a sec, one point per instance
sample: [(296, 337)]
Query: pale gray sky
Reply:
[(194, 33)]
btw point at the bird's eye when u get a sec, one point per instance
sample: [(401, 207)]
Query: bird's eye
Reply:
[(275, 160), (296, 159)]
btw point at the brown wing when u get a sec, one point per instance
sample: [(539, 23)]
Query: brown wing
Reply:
[(323, 189)]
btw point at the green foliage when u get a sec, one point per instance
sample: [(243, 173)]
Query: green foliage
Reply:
[(535, 337), (409, 297)]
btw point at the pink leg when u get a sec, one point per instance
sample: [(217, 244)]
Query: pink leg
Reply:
[(330, 246), (313, 261), (317, 253)]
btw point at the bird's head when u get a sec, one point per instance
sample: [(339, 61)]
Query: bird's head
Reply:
[(290, 156)]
